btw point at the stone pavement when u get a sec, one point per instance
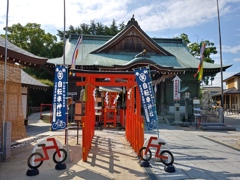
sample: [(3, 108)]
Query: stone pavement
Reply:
[(111, 157), (198, 155)]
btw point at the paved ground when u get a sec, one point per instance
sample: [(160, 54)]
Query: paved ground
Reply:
[(198, 155)]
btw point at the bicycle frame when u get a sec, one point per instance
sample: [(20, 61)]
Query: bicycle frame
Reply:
[(165, 156), (49, 142), (157, 146), (46, 148)]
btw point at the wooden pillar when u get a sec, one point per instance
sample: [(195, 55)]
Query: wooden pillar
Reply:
[(133, 121), (92, 116), (139, 129), (88, 121), (84, 139), (115, 117), (230, 102), (127, 129), (162, 98)]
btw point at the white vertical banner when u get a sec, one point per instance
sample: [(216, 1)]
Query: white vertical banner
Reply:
[(176, 88)]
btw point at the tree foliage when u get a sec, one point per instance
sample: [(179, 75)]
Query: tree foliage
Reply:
[(93, 28), (34, 40), (184, 37), (194, 49), (209, 50)]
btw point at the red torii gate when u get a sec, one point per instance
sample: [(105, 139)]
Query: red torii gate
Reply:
[(134, 128)]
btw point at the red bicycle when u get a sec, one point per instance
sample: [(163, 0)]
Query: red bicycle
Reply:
[(165, 156), (36, 159)]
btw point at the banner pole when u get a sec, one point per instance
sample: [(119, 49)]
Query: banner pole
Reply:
[(3, 151), (220, 44)]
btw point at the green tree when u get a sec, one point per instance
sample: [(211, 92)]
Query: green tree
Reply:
[(99, 28), (93, 28), (113, 28), (121, 26), (194, 49), (209, 50), (34, 39), (184, 37), (85, 28)]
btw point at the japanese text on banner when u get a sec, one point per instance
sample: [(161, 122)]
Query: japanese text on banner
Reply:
[(59, 99), (147, 97)]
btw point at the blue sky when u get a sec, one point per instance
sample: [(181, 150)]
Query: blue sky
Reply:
[(158, 18)]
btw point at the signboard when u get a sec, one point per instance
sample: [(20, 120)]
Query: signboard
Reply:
[(196, 101), (176, 88), (59, 98), (143, 79)]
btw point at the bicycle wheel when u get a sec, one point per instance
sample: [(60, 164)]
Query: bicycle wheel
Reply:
[(169, 159), (54, 126), (35, 165), (152, 125), (59, 160), (144, 157), (63, 125)]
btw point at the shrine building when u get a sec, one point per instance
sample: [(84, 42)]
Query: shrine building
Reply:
[(132, 48)]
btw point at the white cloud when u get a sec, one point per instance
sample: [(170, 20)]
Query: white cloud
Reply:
[(216, 58), (51, 13), (217, 78), (229, 49), (173, 14), (236, 59), (152, 16)]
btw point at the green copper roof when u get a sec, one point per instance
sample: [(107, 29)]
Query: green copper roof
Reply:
[(85, 57), (167, 61), (87, 46), (181, 52), (181, 59)]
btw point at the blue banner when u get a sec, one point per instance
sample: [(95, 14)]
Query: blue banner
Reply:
[(143, 78), (59, 119)]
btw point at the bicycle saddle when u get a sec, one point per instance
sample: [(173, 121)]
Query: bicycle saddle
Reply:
[(162, 143)]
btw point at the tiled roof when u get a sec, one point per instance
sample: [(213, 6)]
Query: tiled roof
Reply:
[(132, 28), (231, 77), (100, 50), (181, 52), (228, 91), (181, 59), (29, 81), (17, 53), (211, 88)]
